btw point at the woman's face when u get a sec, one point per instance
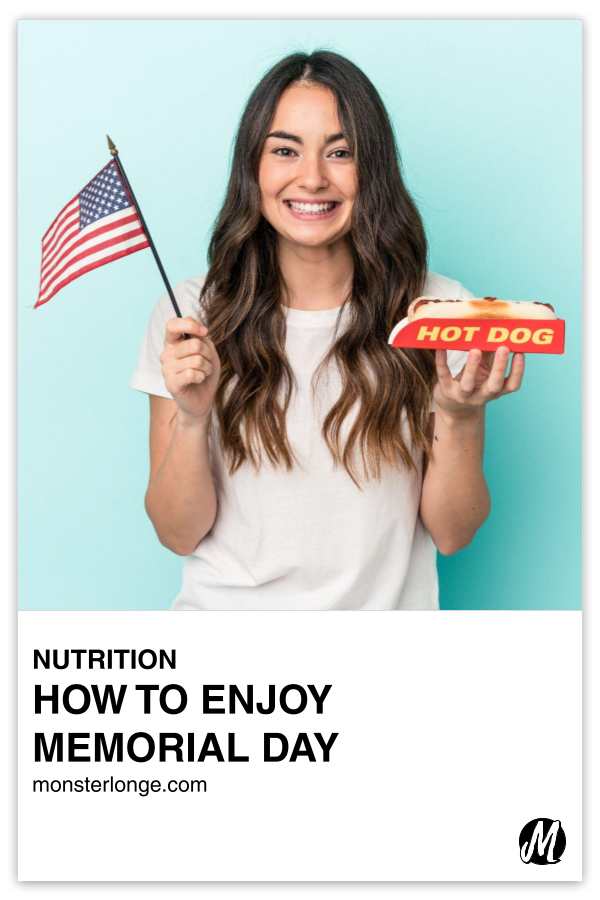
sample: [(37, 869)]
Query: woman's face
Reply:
[(307, 176)]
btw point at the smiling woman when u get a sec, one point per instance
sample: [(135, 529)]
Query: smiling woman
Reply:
[(323, 199), (291, 446)]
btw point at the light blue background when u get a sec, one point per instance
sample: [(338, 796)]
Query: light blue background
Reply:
[(488, 118)]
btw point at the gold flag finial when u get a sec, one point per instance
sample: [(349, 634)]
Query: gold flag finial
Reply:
[(111, 147)]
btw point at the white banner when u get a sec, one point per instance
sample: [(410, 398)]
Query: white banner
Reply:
[(300, 746)]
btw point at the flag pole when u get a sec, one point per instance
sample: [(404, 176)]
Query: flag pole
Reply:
[(115, 154)]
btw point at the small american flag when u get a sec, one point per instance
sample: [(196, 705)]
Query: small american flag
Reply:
[(99, 225)]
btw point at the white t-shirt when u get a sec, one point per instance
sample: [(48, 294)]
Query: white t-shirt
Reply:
[(307, 539)]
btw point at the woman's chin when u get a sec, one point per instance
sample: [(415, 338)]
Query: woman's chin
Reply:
[(311, 240)]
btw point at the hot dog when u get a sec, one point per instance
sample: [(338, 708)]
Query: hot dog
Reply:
[(478, 308)]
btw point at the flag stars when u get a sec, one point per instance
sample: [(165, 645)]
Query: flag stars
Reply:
[(104, 196)]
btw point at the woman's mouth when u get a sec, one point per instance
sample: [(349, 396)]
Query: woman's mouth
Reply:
[(312, 211)]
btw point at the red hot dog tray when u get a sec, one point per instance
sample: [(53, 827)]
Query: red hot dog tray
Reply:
[(520, 335)]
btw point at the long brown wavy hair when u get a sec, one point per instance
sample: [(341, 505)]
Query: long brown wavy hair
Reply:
[(243, 292)]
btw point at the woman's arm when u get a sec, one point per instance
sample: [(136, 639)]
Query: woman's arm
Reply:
[(455, 501), (181, 500)]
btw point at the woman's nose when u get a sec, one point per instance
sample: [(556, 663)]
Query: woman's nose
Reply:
[(312, 173)]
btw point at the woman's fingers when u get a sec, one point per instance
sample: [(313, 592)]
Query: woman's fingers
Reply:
[(464, 390), (193, 347), (178, 383), (443, 372), (469, 373), (196, 362), (517, 370), (176, 328), (495, 381)]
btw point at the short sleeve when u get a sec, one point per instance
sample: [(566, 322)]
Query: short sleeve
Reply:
[(456, 358), (147, 375)]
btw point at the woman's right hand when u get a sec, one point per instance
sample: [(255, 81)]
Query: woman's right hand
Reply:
[(191, 368)]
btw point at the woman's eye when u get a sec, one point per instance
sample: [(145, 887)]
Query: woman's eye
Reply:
[(283, 151), (347, 152)]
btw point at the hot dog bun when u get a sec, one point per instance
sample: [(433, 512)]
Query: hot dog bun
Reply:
[(478, 308)]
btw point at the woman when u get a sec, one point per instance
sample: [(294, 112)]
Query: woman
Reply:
[(291, 446)]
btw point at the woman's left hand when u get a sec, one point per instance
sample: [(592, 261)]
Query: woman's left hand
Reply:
[(482, 379)]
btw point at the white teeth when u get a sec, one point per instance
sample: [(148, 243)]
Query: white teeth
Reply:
[(311, 207)]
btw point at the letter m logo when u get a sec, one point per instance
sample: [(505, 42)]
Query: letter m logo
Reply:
[(542, 842)]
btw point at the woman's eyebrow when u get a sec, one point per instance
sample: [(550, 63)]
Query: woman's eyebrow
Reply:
[(283, 135)]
